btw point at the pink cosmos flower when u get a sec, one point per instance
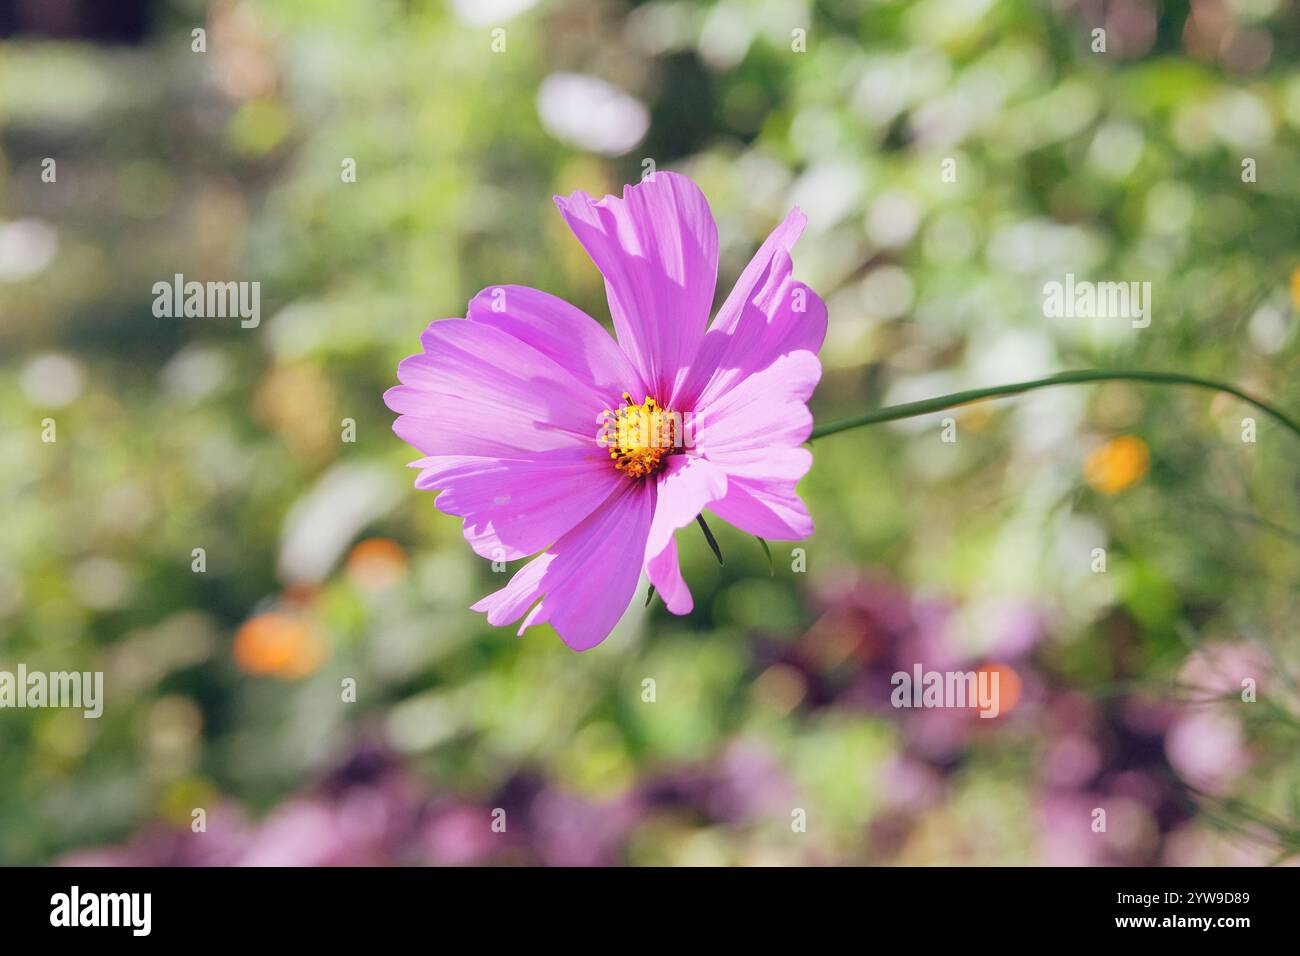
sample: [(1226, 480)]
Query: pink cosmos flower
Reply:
[(548, 436)]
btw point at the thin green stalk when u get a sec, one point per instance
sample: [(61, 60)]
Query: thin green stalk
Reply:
[(926, 406), (708, 536)]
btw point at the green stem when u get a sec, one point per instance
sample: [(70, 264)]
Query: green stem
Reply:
[(925, 407)]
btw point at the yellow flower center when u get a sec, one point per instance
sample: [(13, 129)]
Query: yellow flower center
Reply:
[(640, 437)]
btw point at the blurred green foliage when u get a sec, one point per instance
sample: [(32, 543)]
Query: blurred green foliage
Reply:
[(176, 434)]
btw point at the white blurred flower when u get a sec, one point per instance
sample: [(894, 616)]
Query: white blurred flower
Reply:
[(481, 13), (828, 191), (893, 219), (101, 584), (1116, 149), (1002, 354), (52, 380), (1242, 119), (1268, 329), (26, 247), (194, 372), (1041, 246), (887, 293), (726, 35), (590, 113), (320, 525)]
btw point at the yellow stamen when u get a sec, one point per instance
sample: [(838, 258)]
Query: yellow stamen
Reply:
[(640, 437)]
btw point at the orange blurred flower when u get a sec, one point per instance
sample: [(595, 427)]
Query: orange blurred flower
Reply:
[(1008, 686), (376, 563), (298, 403), (279, 645), (1116, 465)]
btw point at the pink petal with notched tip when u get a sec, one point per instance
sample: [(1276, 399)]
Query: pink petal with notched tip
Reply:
[(657, 248), (768, 314)]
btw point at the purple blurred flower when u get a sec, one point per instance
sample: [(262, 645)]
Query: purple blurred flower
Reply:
[(1073, 833), (910, 785), (461, 835), (570, 831), (1207, 749), (226, 837), (748, 784), (1070, 761), (1218, 669), (1205, 742)]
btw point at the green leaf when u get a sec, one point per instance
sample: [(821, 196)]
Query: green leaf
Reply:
[(771, 565)]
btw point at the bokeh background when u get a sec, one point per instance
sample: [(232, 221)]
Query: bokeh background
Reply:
[(1122, 688)]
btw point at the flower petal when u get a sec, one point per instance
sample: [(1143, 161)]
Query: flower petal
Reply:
[(753, 431), (477, 390), (761, 497), (763, 410), (665, 573), (768, 314), (586, 579), (685, 487), (657, 248), (561, 332), (516, 507)]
